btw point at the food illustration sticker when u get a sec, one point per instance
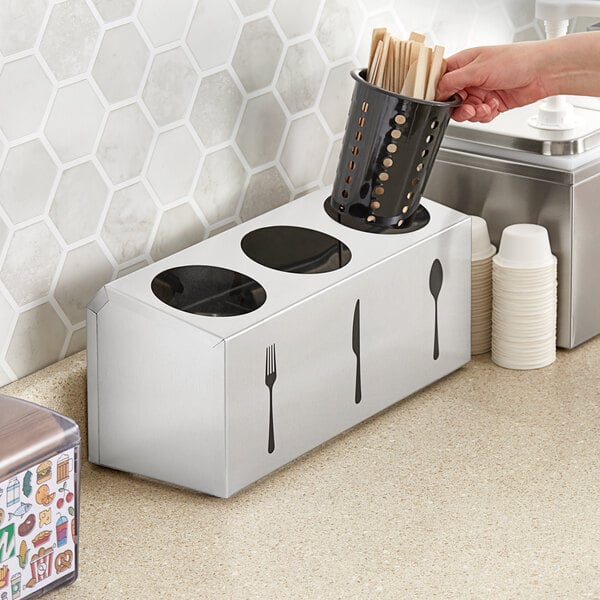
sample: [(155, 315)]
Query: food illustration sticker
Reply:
[(37, 538)]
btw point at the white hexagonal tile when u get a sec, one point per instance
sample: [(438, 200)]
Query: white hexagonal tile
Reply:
[(173, 164), (129, 221), (491, 26), (3, 233), (111, 10), (30, 264), (520, 12), (8, 317), (179, 228), (125, 143), (74, 121), (249, 7), (212, 33), (77, 341), (20, 24), (528, 34), (332, 162), (261, 129), (222, 228), (121, 62), (452, 25), (257, 54), (216, 108), (24, 94), (266, 190), (5, 378), (296, 18), (300, 77), (304, 150), (132, 268), (37, 340), (170, 85), (85, 270), (221, 185), (377, 5), (305, 192), (338, 28), (78, 202), (164, 22), (336, 97), (415, 16), (26, 181), (69, 39)]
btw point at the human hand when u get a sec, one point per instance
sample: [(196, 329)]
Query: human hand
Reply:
[(493, 79)]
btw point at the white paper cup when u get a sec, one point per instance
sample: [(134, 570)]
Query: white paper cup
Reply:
[(524, 246), (481, 247)]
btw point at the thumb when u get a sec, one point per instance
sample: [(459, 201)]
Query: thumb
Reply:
[(452, 82)]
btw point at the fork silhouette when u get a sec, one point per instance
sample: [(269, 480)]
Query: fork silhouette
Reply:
[(270, 377)]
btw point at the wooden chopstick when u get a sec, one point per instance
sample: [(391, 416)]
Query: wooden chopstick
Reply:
[(406, 67), (435, 72)]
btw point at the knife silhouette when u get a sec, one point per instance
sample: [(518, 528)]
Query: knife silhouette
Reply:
[(356, 349)]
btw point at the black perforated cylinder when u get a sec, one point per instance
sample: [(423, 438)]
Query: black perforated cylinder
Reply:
[(389, 147)]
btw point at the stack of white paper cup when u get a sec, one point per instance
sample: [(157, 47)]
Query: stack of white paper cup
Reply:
[(524, 299), (482, 253)]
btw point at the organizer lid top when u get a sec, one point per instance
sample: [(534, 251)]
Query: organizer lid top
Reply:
[(30, 433)]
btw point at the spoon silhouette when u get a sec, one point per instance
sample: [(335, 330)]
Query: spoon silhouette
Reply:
[(436, 276)]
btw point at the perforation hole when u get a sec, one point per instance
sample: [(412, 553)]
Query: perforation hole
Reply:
[(348, 179), (379, 191), (434, 124), (400, 119), (371, 218), (404, 210), (419, 167), (429, 139), (361, 121), (383, 176), (410, 195), (375, 205), (400, 222), (358, 136), (424, 153), (391, 148), (365, 107), (354, 150), (345, 193), (396, 133), (415, 180), (351, 165), (388, 162)]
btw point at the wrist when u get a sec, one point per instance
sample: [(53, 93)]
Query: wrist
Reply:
[(570, 64)]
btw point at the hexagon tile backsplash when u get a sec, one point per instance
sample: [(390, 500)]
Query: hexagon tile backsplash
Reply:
[(130, 129)]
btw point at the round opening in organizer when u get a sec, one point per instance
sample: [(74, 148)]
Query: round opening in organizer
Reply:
[(295, 249), (208, 290)]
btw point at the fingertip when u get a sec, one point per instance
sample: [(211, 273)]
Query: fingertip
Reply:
[(482, 111), (465, 112)]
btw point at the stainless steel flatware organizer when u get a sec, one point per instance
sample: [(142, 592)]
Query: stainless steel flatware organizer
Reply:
[(219, 364)]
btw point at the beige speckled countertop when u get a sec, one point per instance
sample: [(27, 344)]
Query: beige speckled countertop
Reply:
[(484, 485)]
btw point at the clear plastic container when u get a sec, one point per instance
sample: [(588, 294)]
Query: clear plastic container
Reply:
[(39, 499)]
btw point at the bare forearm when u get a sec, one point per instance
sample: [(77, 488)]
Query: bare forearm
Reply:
[(571, 64)]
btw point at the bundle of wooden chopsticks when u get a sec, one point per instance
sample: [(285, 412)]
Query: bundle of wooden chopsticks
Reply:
[(405, 67)]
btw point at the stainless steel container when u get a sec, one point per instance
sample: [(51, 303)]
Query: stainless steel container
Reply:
[(219, 364), (510, 172)]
